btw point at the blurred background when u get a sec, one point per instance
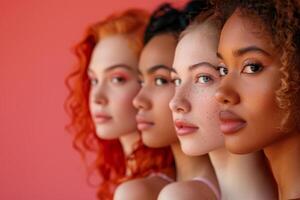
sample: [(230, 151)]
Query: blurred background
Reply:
[(37, 161)]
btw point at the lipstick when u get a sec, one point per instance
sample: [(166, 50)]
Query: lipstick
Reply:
[(143, 124), (230, 122), (101, 118), (185, 128)]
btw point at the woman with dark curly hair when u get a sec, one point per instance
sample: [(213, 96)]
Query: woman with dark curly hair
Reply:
[(259, 93), (102, 87), (154, 117)]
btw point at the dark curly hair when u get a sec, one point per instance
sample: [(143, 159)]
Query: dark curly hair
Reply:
[(167, 19), (281, 20)]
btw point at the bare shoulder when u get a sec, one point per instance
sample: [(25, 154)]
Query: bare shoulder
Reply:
[(142, 188), (187, 190)]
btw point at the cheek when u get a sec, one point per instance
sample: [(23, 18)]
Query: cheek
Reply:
[(206, 107), (162, 99), (124, 100)]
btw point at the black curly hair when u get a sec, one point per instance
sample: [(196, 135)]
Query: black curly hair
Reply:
[(280, 19), (167, 19)]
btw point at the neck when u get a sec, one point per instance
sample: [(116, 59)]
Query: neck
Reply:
[(128, 142), (188, 167), (247, 172), (285, 163)]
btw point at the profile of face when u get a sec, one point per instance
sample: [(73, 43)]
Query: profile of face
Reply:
[(154, 117), (195, 110), (114, 83), (249, 64)]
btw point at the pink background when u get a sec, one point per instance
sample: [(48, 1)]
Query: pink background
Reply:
[(37, 161)]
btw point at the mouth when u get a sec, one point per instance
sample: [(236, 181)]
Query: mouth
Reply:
[(230, 122), (101, 118), (143, 124), (184, 128)]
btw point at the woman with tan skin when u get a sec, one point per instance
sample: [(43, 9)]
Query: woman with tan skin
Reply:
[(195, 113), (154, 118), (259, 92)]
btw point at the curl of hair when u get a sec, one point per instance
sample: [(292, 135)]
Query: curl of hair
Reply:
[(167, 19), (281, 20), (111, 163)]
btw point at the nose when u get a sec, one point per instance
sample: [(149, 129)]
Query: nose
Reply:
[(99, 95), (226, 94), (179, 103), (141, 100)]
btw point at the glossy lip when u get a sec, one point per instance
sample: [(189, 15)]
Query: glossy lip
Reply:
[(230, 122), (101, 117), (184, 128), (143, 124)]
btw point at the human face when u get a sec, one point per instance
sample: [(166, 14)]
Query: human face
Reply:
[(195, 111), (154, 117), (250, 117), (113, 76)]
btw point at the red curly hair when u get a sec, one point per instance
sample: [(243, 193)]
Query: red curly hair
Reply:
[(110, 161)]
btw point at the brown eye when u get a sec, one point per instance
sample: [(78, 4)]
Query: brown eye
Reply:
[(252, 68), (159, 81), (223, 71)]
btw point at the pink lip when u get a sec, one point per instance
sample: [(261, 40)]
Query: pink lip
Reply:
[(184, 128), (101, 118), (143, 124), (231, 122)]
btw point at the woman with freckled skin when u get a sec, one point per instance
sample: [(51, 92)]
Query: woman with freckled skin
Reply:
[(259, 95), (195, 113), (102, 87), (154, 118)]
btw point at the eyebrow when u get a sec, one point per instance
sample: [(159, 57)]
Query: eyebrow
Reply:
[(154, 68), (242, 51), (124, 66), (202, 64)]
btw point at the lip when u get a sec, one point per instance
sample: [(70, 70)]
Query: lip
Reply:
[(184, 128), (101, 117), (230, 122), (143, 124)]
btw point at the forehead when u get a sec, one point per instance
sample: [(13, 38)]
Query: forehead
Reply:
[(241, 31), (158, 51), (113, 50), (199, 44)]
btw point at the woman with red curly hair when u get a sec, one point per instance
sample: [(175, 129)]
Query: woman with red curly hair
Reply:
[(102, 87), (259, 94)]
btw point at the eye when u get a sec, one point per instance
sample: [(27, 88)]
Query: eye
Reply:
[(223, 71), (93, 81), (252, 68), (118, 79), (176, 81), (203, 79), (141, 82), (160, 81)]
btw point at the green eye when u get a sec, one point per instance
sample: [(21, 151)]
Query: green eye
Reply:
[(176, 81), (203, 79)]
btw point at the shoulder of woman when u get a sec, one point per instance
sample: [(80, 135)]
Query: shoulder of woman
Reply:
[(187, 190), (142, 188)]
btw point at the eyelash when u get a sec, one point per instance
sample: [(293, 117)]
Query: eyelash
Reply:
[(163, 81), (93, 81), (118, 79), (176, 81), (202, 76), (223, 71)]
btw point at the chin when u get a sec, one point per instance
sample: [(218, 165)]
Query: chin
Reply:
[(240, 148), (189, 150), (152, 141)]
